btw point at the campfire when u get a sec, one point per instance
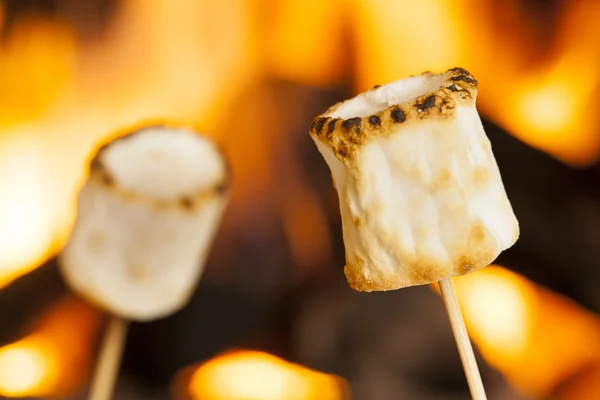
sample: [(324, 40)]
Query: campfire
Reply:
[(251, 75)]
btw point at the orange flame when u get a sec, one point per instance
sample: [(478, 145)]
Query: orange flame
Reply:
[(247, 375), (534, 337), (55, 357), (305, 43), (168, 60), (546, 101)]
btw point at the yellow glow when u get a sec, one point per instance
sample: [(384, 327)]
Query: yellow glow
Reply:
[(316, 56), (25, 222), (27, 368), (497, 310), (249, 375), (545, 99), (400, 38), (548, 109)]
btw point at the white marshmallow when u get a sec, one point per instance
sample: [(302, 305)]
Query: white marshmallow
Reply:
[(420, 193), (146, 219)]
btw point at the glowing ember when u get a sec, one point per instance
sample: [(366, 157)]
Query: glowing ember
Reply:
[(53, 360), (517, 325), (248, 375), (26, 227), (27, 368)]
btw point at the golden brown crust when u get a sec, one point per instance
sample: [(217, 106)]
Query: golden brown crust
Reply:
[(346, 136), (100, 175), (479, 251)]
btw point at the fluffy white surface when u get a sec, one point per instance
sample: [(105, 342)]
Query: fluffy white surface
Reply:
[(164, 162), (133, 257), (379, 99), (423, 204)]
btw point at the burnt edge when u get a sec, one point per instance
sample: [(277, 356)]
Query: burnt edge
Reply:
[(352, 123), (101, 174), (398, 115), (374, 120), (345, 139), (331, 126)]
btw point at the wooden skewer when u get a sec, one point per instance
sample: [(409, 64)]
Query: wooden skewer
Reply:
[(109, 359), (462, 340)]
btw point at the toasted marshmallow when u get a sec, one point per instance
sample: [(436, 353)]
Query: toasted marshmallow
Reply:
[(146, 219), (420, 193)]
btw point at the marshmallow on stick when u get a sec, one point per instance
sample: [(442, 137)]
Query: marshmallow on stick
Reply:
[(146, 219), (420, 193)]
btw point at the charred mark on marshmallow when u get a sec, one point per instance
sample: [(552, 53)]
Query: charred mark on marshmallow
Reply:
[(428, 103), (463, 93), (100, 174), (463, 78), (464, 265), (376, 86), (331, 126), (461, 71), (107, 179), (398, 115), (348, 124), (354, 130), (375, 121), (187, 203), (319, 124), (222, 188)]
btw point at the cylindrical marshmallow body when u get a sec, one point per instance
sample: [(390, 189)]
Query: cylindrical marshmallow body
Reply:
[(420, 193), (146, 219)]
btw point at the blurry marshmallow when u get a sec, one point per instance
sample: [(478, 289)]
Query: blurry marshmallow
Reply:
[(146, 219)]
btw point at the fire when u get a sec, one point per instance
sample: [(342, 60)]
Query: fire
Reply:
[(188, 62), (534, 337), (55, 357), (550, 110), (26, 228), (247, 375), (397, 39), (543, 96), (316, 55), (164, 61)]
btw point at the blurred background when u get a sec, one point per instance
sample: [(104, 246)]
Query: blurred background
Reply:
[(273, 317)]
